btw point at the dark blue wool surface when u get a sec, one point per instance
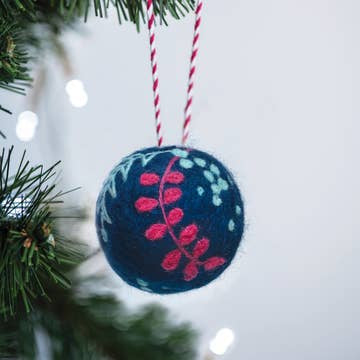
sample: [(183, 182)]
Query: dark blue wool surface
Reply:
[(210, 201)]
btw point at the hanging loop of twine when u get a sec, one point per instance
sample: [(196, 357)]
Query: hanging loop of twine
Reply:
[(154, 71), (155, 78)]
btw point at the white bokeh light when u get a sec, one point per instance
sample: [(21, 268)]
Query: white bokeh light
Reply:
[(17, 207), (26, 125), (79, 100), (223, 339), (74, 86), (77, 94)]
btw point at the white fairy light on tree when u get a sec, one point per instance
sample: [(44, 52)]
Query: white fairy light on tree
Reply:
[(222, 341), (76, 92), (26, 125)]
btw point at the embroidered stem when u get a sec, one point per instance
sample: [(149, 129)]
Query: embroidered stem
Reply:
[(162, 206)]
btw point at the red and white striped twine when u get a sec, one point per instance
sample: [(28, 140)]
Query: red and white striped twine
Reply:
[(151, 20), (194, 53)]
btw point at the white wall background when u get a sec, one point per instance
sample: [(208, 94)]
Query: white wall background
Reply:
[(277, 98)]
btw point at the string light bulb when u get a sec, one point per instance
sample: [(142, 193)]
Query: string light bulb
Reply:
[(76, 92), (222, 341), (26, 125)]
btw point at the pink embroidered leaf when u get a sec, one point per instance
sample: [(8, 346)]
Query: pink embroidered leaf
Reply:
[(156, 232), (171, 260), (188, 235), (191, 271), (175, 216), (174, 177), (213, 263), (201, 247), (144, 204), (171, 195), (148, 179)]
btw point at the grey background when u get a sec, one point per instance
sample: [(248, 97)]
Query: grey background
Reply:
[(276, 98)]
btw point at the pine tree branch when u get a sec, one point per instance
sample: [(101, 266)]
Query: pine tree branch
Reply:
[(13, 56), (83, 325), (27, 242)]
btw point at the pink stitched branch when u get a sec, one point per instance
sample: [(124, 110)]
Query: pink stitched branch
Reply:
[(187, 235), (161, 203)]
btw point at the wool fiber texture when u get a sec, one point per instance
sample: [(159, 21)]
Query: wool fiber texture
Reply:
[(169, 219)]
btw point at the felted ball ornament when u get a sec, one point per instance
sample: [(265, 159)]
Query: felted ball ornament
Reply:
[(169, 219)]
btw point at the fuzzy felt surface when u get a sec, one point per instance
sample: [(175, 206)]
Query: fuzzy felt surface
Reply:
[(169, 219)]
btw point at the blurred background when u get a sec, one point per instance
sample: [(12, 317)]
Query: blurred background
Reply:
[(276, 99)]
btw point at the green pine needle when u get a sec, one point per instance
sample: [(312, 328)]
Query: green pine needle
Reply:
[(79, 324), (13, 57), (28, 252)]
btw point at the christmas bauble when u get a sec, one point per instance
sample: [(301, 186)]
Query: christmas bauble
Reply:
[(169, 219)]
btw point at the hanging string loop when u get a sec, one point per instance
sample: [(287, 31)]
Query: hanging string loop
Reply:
[(193, 57), (154, 70)]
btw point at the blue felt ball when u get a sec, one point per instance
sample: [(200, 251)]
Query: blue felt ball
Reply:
[(169, 219)]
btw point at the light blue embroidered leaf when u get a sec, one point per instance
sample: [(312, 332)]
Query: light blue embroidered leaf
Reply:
[(200, 190), (215, 189), (179, 152), (214, 169), (143, 285), (216, 200), (141, 282), (231, 225), (200, 162), (223, 184), (238, 210), (186, 163), (209, 175), (126, 163)]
